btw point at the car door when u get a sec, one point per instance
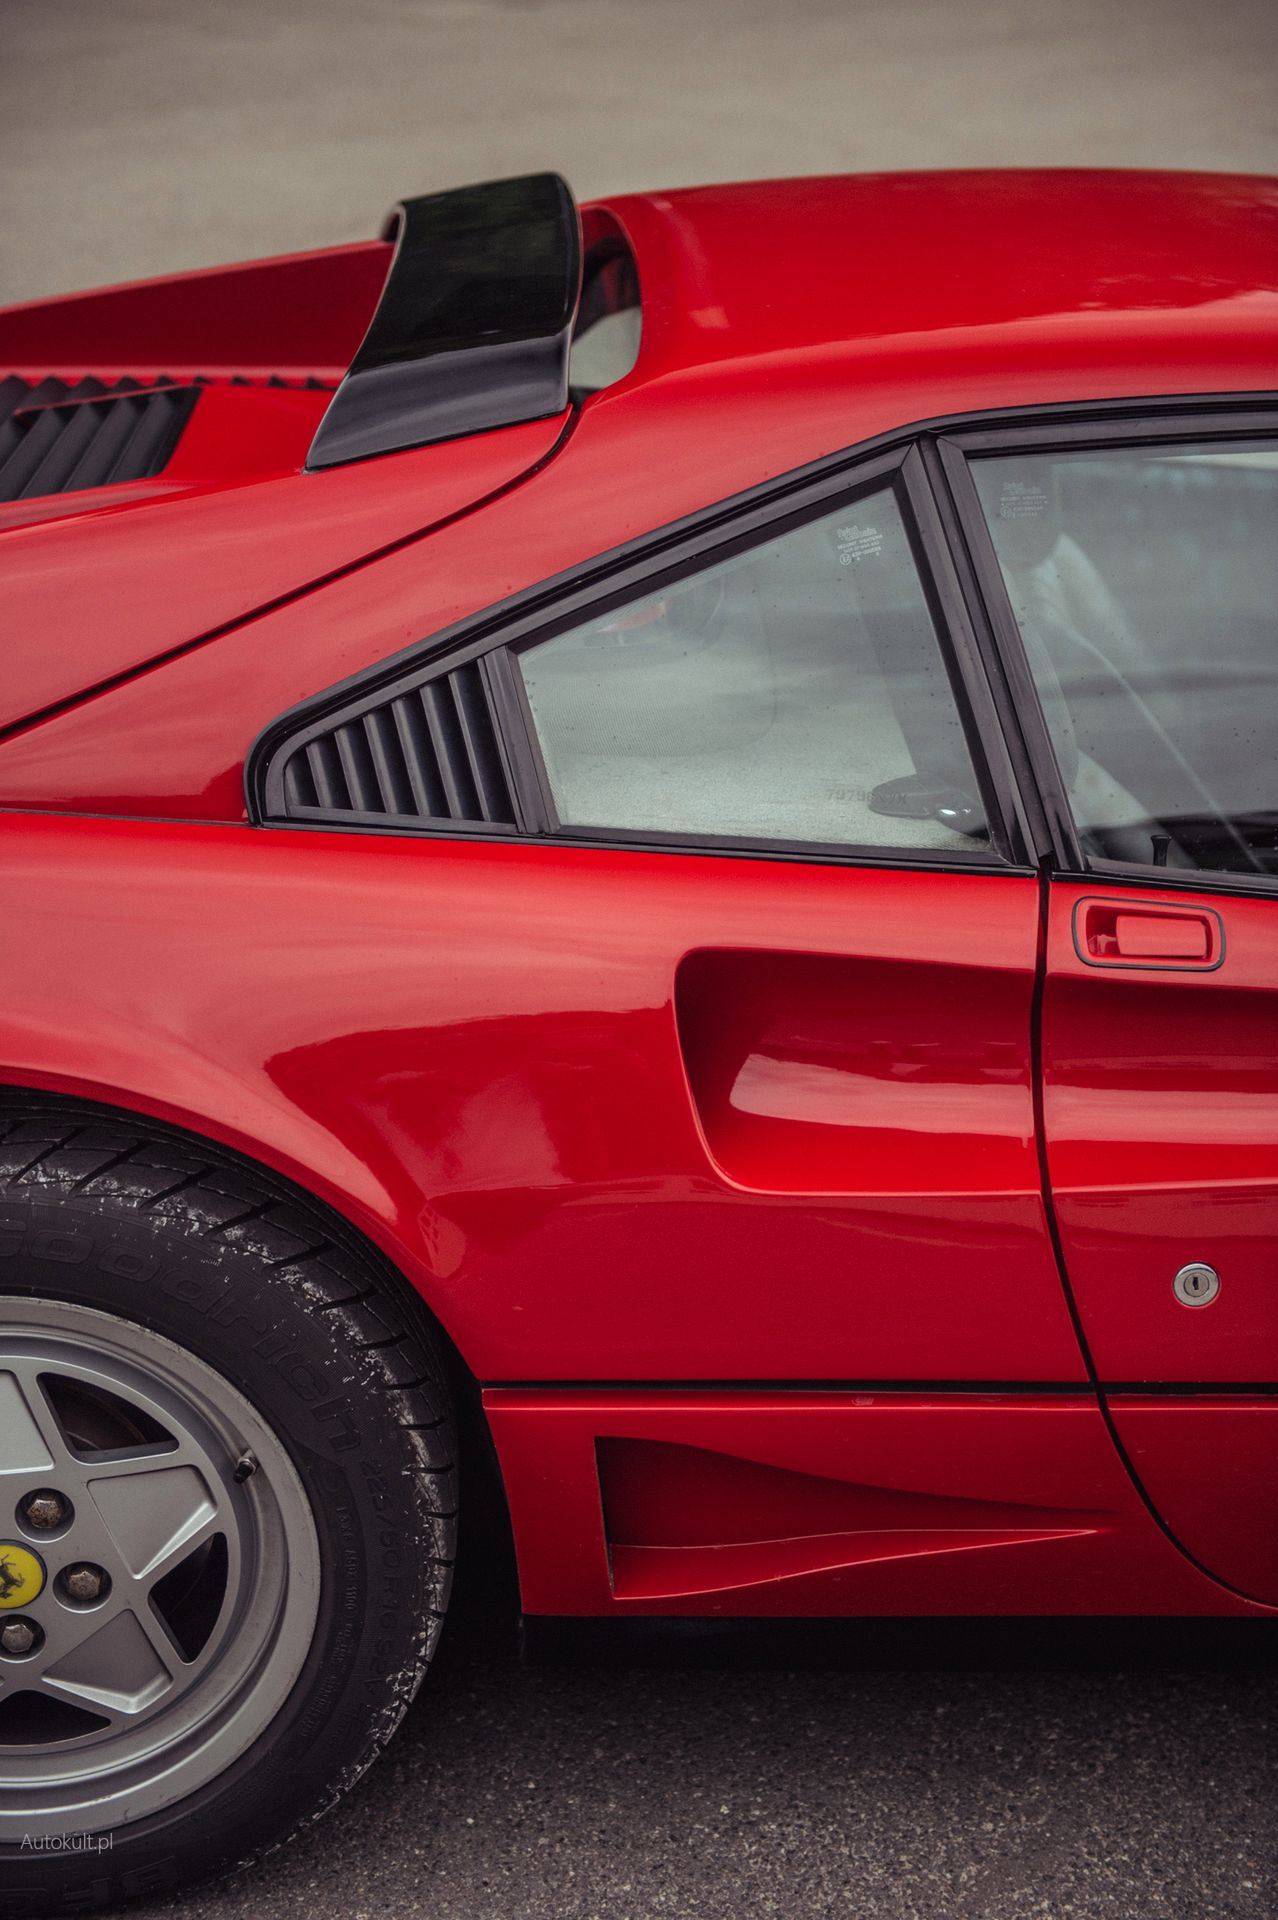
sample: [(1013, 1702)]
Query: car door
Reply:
[(758, 839), (1141, 569)]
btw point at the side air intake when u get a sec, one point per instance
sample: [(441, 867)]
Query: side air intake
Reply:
[(429, 755), (56, 438)]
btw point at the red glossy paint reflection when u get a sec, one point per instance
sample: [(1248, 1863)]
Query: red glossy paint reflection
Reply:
[(626, 1117), (474, 1046), (874, 1503), (1161, 1109), (814, 1074), (1210, 1466)]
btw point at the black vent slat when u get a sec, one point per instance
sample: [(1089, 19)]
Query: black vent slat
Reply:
[(440, 707), (67, 452), (357, 768), (57, 438), (107, 447), (424, 782), (148, 446), (394, 791), (427, 753), (326, 772), (34, 435), (299, 785), (488, 776), (12, 392), (28, 457), (112, 453)]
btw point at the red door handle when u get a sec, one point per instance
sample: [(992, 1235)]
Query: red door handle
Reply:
[(1127, 933)]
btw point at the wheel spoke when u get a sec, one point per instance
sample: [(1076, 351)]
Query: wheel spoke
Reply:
[(154, 1512), (181, 1548), (117, 1668), (63, 1632), (31, 1442), (142, 1456)]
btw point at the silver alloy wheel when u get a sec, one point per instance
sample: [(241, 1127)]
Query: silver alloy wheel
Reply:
[(178, 1492)]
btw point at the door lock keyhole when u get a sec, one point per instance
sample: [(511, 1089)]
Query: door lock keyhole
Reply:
[(1196, 1285)]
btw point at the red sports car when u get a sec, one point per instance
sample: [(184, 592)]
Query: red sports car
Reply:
[(648, 833)]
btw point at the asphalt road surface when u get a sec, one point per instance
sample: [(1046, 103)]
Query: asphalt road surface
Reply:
[(994, 1785), (145, 136)]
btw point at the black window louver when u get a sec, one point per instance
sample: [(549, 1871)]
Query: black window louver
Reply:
[(428, 755), (59, 438)]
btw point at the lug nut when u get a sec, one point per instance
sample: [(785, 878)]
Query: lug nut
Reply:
[(20, 1636), (44, 1510), (84, 1582)]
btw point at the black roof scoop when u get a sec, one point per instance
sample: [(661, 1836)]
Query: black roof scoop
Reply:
[(474, 324)]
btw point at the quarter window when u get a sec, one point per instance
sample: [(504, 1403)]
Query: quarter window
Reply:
[(795, 692), (1145, 585)]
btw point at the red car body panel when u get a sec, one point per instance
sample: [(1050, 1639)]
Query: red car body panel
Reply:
[(303, 313), (875, 1338), (133, 585), (1207, 1464), (824, 1503), (1161, 1117), (514, 1126)]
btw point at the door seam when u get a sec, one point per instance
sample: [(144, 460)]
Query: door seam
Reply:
[(1045, 882)]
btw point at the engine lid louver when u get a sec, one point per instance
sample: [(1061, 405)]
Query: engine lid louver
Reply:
[(428, 755), (61, 438)]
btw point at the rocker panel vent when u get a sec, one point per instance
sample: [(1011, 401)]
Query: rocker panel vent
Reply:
[(59, 438), (429, 755)]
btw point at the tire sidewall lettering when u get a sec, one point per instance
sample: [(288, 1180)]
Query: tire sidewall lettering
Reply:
[(199, 1283)]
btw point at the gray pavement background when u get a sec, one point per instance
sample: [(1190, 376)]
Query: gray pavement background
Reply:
[(141, 136)]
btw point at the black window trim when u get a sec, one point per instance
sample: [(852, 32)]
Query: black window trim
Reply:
[(903, 476), (1213, 417), (685, 547), (1031, 828)]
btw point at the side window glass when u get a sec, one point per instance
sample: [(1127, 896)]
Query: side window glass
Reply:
[(795, 692), (1145, 584)]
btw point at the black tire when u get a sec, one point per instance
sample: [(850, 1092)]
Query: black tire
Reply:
[(266, 1288)]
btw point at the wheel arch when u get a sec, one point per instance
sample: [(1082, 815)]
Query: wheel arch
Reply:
[(280, 1141), (348, 1223)]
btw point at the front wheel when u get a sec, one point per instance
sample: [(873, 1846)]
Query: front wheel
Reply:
[(227, 1510)]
